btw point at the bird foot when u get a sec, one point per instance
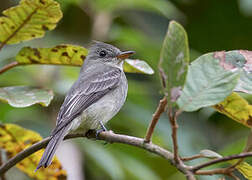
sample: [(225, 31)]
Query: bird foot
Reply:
[(103, 128)]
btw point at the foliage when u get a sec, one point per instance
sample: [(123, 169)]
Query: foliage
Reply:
[(212, 80), (237, 108), (23, 96), (73, 55), (246, 170), (15, 139), (28, 20), (174, 61)]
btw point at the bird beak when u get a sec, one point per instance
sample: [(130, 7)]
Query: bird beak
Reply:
[(125, 55)]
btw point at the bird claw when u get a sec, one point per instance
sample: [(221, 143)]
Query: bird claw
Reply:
[(103, 128)]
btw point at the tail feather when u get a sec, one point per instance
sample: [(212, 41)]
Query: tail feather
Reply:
[(50, 150)]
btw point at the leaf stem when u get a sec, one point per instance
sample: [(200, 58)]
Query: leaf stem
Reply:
[(160, 109), (196, 156)]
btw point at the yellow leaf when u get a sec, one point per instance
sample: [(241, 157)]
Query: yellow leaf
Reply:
[(60, 55), (66, 54), (30, 19), (237, 108), (14, 139), (245, 169)]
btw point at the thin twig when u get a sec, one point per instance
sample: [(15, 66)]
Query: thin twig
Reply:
[(219, 160), (191, 157), (174, 126), (213, 172), (107, 136), (8, 66), (160, 109)]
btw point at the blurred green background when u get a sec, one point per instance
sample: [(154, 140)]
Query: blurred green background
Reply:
[(138, 25)]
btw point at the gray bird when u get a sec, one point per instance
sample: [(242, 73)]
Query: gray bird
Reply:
[(97, 95)]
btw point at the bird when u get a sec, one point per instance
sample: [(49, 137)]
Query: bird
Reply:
[(96, 96)]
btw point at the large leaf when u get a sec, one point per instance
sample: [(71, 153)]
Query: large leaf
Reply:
[(241, 61), (14, 139), (208, 83), (23, 96), (174, 61), (30, 19), (71, 55), (237, 108)]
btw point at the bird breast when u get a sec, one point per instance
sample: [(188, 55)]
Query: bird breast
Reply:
[(102, 110)]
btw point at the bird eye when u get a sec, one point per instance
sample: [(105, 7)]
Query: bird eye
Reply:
[(102, 53)]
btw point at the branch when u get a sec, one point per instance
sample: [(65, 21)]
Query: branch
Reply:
[(108, 136), (160, 109), (8, 66), (174, 126), (191, 157), (219, 160)]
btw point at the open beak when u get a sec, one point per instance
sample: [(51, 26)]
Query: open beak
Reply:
[(125, 55)]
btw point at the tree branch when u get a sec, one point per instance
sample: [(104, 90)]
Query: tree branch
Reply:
[(108, 136), (8, 66), (219, 160), (160, 109)]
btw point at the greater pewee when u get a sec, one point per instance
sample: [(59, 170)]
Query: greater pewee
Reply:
[(97, 95)]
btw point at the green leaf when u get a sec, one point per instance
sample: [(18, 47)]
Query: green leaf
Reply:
[(208, 83), (66, 54), (237, 108), (14, 139), (29, 20), (210, 154), (137, 66), (240, 61), (23, 96), (174, 61)]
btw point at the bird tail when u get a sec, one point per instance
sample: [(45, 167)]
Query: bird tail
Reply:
[(50, 150)]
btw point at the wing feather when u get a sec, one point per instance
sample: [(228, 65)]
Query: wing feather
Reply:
[(84, 93)]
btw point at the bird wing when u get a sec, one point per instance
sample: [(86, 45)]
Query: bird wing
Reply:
[(84, 92)]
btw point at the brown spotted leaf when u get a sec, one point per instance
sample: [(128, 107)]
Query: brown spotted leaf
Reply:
[(237, 108), (59, 55), (240, 61), (207, 83), (14, 139), (73, 55), (29, 20)]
